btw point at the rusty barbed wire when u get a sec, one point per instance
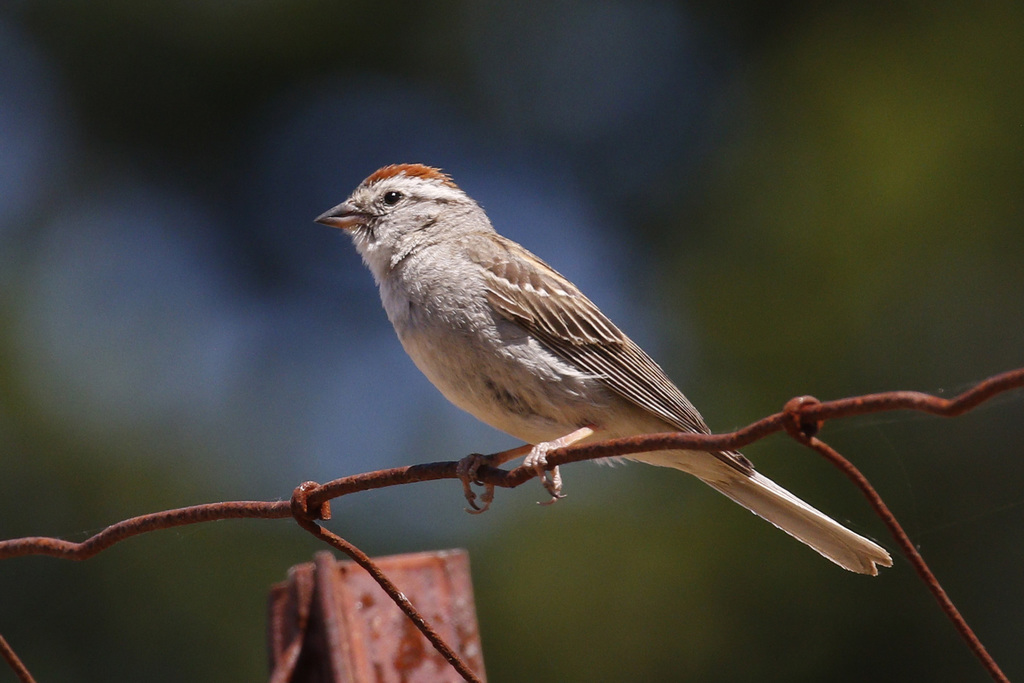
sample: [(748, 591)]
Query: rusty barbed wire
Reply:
[(801, 418), (167, 519), (803, 431), (17, 666), (304, 513)]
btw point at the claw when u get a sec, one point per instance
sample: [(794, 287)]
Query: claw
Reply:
[(551, 479), (553, 485), (466, 470), (486, 498), (537, 460)]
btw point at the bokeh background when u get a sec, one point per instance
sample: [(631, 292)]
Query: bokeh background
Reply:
[(773, 198)]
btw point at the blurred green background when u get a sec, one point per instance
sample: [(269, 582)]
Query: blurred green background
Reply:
[(773, 198)]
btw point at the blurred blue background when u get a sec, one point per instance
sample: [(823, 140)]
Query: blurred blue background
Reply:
[(773, 199)]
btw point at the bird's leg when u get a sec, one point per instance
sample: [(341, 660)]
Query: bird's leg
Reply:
[(471, 464), (538, 461)]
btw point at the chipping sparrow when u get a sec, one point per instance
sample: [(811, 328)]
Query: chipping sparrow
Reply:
[(512, 342)]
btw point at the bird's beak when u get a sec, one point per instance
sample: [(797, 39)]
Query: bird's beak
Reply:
[(344, 216)]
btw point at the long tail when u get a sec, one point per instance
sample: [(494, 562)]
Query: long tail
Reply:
[(768, 500)]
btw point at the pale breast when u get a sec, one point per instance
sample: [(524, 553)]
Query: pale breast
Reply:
[(500, 375), (484, 364)]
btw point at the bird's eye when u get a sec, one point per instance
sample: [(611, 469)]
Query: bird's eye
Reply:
[(391, 198)]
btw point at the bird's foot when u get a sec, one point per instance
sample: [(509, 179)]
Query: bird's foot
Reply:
[(469, 467), (537, 460), (467, 470)]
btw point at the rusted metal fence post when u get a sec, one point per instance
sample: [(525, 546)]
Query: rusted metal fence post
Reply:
[(331, 623)]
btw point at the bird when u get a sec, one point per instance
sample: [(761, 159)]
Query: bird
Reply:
[(511, 341)]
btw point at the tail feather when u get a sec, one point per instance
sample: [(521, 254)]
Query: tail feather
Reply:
[(771, 502)]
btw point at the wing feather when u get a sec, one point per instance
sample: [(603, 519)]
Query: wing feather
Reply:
[(534, 295)]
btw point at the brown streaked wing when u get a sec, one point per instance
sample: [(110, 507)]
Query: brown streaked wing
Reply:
[(551, 308)]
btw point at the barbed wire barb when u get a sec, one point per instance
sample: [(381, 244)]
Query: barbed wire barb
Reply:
[(307, 514)]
